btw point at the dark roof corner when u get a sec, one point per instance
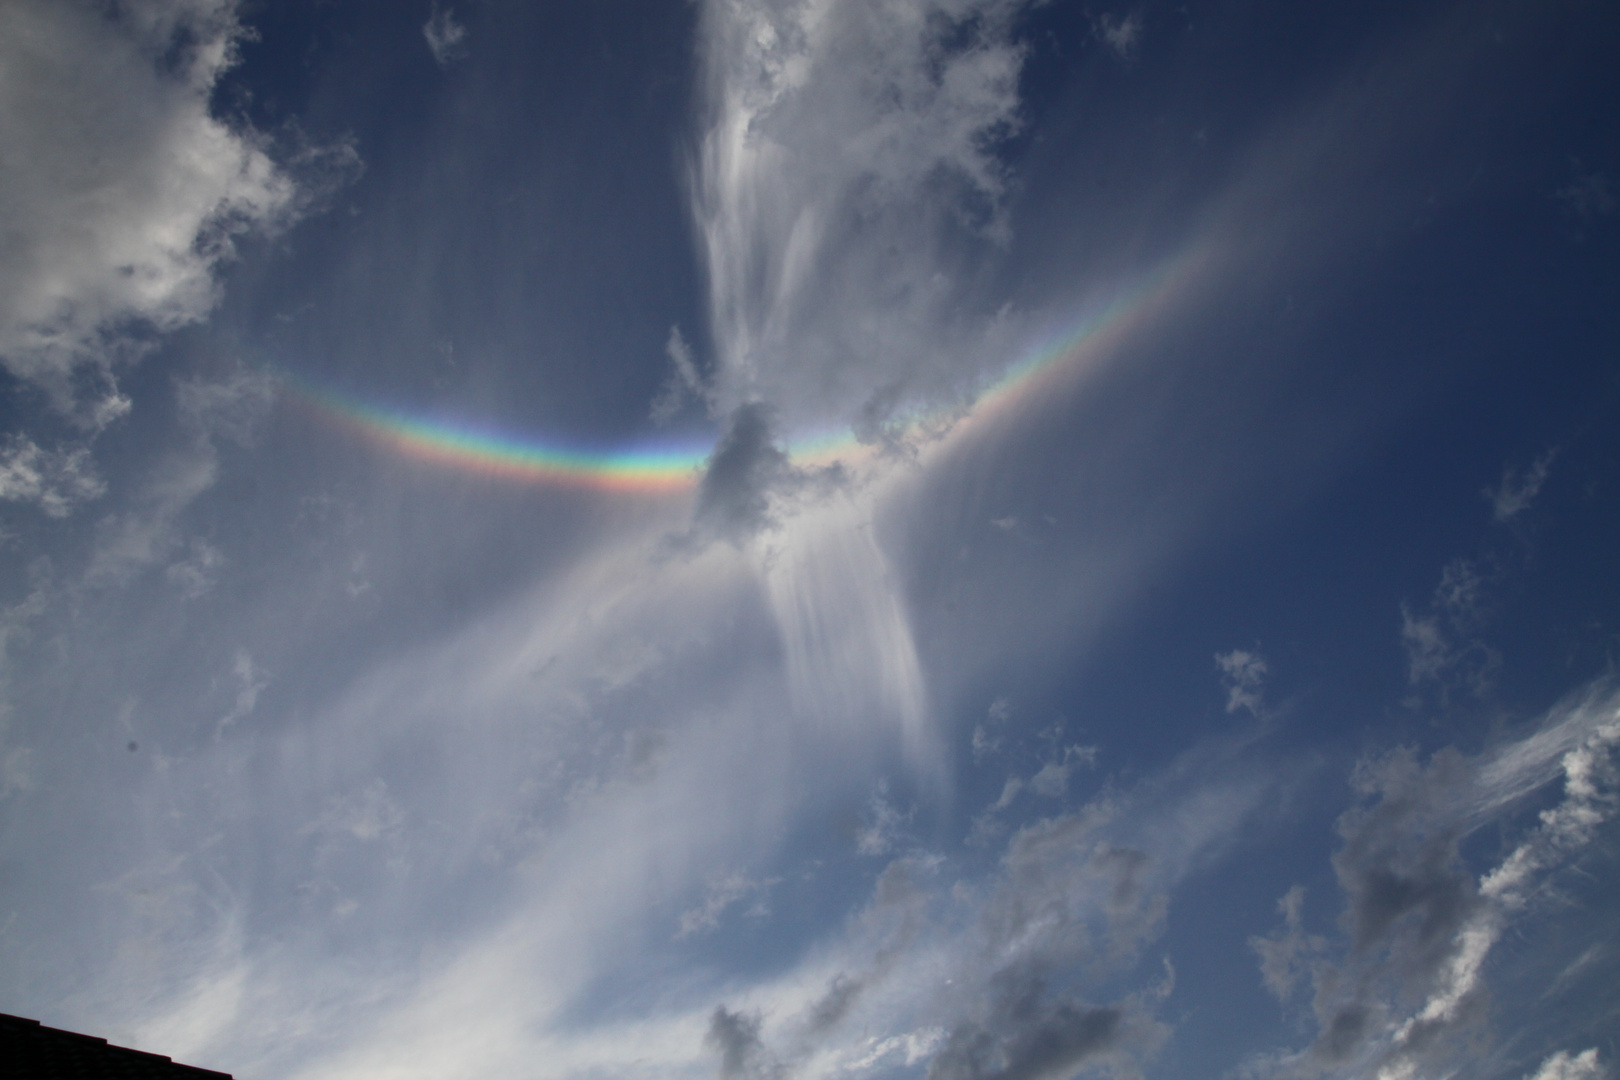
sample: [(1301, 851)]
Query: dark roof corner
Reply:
[(31, 1051)]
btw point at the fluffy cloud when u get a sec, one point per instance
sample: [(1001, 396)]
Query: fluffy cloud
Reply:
[(1564, 1066), (123, 193), (57, 480), (1243, 674)]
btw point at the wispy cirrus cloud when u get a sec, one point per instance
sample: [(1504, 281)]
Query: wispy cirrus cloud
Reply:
[(847, 166)]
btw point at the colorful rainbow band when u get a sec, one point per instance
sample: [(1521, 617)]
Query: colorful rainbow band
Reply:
[(674, 467)]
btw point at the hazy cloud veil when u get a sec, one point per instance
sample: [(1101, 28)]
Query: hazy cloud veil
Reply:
[(941, 539)]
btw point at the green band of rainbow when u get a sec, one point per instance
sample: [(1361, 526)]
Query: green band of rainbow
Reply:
[(638, 470), (677, 466)]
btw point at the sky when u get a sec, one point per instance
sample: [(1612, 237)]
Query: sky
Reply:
[(777, 539)]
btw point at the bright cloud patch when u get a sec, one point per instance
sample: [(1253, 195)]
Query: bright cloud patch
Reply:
[(123, 192)]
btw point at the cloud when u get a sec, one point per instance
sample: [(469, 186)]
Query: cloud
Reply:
[(985, 974), (367, 815), (251, 680), (735, 1037), (1518, 490), (684, 382), (196, 574), (721, 893), (884, 827), (231, 405), (1052, 780), (847, 166), (446, 38), (126, 194), (1409, 991), (1442, 644), (1243, 674), (134, 538), (984, 743), (57, 480), (734, 496), (1122, 33), (1284, 955), (147, 528), (1587, 195), (836, 1003), (1563, 1066), (1027, 1035)]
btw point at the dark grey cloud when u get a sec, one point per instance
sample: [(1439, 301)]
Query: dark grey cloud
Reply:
[(1407, 895), (832, 1006), (734, 497), (735, 1037), (1027, 1034)]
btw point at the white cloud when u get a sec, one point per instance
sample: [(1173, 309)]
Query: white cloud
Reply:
[(1519, 489), (230, 406), (446, 38), (1443, 644), (144, 533), (1244, 674), (1052, 780), (251, 680), (196, 574), (57, 480), (684, 382), (123, 195), (721, 892), (1564, 1066), (1122, 33), (1587, 195), (146, 530), (367, 815), (1285, 955), (884, 827), (984, 743), (846, 165)]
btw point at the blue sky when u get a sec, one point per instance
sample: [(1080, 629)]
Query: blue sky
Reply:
[(1131, 592)]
